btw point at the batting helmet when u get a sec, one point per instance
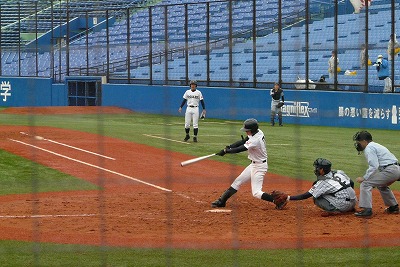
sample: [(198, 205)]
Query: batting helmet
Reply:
[(250, 125), (321, 163)]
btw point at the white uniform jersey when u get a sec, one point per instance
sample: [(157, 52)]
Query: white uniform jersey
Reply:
[(193, 98), (255, 172), (257, 147)]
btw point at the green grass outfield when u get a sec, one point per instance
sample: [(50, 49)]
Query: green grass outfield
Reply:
[(291, 150), (29, 254)]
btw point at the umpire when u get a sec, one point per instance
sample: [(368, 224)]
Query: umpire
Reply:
[(276, 103), (383, 170)]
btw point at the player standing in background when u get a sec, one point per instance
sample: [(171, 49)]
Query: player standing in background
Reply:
[(332, 191), (276, 103), (255, 144), (383, 170), (193, 97)]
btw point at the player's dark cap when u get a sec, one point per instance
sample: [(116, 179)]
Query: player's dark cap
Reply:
[(362, 135), (193, 82), (250, 125), (321, 163)]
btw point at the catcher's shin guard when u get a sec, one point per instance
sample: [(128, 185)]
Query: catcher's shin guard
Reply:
[(221, 202), (280, 118)]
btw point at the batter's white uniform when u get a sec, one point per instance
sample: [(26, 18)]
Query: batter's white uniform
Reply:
[(257, 153), (192, 110)]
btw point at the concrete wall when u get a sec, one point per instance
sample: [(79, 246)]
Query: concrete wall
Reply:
[(342, 109)]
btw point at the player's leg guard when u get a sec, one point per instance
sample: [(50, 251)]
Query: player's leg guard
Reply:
[(280, 118), (267, 197), (195, 132), (187, 137), (221, 202), (270, 198), (273, 118)]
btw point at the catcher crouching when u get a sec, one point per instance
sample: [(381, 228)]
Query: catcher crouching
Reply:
[(333, 191)]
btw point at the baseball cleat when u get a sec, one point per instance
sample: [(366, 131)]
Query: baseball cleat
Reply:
[(195, 139), (187, 137), (365, 213), (392, 209), (218, 204)]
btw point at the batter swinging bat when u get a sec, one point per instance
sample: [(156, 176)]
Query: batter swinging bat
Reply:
[(191, 161)]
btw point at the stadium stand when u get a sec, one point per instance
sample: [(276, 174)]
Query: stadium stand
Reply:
[(321, 42), (351, 36)]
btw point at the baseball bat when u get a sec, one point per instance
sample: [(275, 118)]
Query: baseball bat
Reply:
[(191, 161)]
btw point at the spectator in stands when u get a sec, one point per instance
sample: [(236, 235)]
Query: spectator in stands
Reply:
[(393, 46), (363, 55), (321, 84), (382, 67), (331, 63)]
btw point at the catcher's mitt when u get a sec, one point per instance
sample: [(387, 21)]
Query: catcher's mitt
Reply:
[(280, 104), (280, 199)]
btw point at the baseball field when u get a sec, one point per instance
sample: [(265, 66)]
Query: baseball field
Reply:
[(103, 186)]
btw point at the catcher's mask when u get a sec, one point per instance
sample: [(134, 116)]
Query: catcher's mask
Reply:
[(250, 125), (361, 136), (321, 163)]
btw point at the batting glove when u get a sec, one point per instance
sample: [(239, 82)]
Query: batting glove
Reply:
[(221, 153)]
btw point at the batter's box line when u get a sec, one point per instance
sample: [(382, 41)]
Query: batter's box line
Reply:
[(46, 216), (168, 139), (188, 197)]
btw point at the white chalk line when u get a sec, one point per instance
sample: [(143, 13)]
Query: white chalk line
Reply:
[(45, 216), (73, 147), (187, 197), (163, 138), (110, 171), (94, 166), (218, 211)]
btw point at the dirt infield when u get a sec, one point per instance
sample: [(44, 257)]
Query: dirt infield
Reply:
[(149, 200)]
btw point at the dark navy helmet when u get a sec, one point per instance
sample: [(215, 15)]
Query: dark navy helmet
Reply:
[(250, 125), (321, 163)]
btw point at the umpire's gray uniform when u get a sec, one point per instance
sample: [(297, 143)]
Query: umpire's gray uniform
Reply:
[(383, 171)]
